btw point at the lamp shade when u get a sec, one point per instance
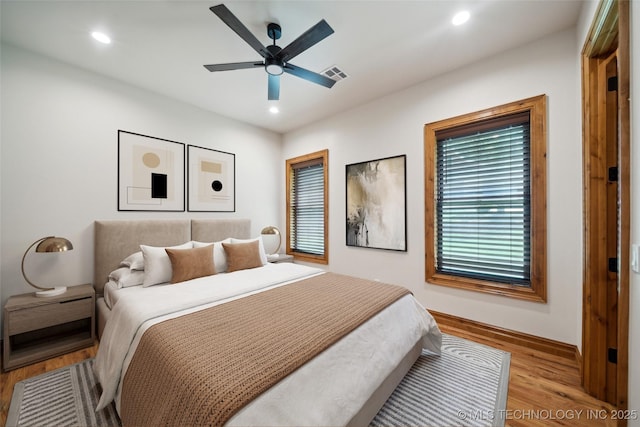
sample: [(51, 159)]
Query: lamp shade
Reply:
[(47, 244), (271, 239), (54, 244)]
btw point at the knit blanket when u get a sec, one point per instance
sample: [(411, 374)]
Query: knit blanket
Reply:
[(202, 368)]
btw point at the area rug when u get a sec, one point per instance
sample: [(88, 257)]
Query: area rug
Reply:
[(465, 386)]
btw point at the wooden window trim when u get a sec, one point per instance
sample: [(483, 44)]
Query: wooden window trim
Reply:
[(538, 290), (295, 163)]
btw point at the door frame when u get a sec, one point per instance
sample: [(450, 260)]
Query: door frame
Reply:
[(609, 31)]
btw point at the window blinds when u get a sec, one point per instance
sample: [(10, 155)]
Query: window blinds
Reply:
[(307, 208), (483, 201)]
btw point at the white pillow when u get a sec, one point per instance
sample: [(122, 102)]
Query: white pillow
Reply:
[(123, 277), (134, 261), (219, 255), (157, 265), (263, 254)]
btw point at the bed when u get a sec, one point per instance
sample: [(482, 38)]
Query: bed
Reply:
[(162, 359)]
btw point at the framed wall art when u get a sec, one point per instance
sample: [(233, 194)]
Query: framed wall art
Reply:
[(150, 173), (376, 204), (211, 180)]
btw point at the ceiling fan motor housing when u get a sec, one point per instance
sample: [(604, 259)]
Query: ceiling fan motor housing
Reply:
[(274, 66), (273, 49)]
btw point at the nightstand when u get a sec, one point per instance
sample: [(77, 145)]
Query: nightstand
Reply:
[(276, 258), (36, 328)]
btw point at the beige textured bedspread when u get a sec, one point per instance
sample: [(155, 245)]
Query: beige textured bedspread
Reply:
[(201, 368)]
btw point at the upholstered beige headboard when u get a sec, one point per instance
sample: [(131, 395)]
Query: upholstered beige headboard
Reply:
[(214, 230), (114, 240)]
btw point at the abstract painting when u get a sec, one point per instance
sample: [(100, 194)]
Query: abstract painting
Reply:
[(150, 173), (211, 183), (376, 204)]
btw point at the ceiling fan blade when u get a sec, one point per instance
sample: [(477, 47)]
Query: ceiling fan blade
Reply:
[(309, 75), (310, 37), (274, 88), (234, 23), (233, 66)]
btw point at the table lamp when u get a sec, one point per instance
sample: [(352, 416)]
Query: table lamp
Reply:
[(271, 238), (48, 244)]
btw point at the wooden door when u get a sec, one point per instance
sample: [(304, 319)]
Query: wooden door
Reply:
[(601, 227), (606, 176), (609, 120)]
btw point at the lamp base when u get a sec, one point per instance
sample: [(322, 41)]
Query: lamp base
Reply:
[(52, 292)]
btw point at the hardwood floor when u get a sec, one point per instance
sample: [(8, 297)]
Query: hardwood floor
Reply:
[(9, 379), (544, 389)]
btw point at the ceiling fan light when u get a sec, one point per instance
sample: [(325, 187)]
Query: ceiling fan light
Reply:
[(274, 69)]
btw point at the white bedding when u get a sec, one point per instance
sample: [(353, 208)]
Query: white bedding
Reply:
[(305, 395), (112, 293)]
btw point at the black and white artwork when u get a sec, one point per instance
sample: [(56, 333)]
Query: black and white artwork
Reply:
[(211, 183), (150, 173), (376, 204)]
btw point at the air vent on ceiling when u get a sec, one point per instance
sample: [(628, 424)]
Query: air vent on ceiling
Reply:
[(335, 73)]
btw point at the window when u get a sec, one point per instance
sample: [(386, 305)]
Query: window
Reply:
[(307, 212), (485, 202)]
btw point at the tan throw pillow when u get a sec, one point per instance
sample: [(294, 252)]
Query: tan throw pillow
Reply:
[(187, 264), (157, 265), (241, 256)]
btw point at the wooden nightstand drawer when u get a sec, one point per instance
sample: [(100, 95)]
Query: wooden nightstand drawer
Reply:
[(29, 319)]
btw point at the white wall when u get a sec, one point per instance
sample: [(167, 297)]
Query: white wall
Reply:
[(394, 125), (59, 161), (634, 297)]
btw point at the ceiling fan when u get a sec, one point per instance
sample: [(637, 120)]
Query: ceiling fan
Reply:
[(276, 59)]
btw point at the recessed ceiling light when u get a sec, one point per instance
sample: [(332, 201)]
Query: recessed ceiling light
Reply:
[(460, 18), (101, 37), (274, 110)]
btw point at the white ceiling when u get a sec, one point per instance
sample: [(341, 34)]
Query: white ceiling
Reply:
[(383, 46)]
